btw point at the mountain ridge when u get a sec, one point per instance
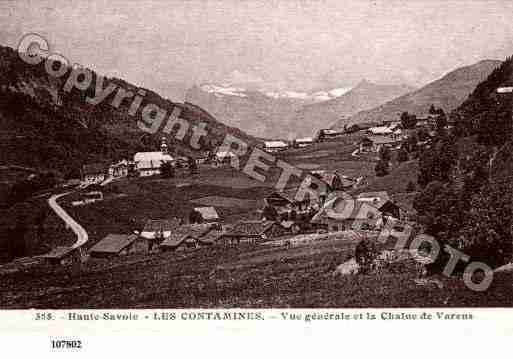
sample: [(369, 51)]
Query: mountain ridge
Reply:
[(447, 93)]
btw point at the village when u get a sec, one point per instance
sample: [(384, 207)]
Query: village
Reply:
[(270, 217)]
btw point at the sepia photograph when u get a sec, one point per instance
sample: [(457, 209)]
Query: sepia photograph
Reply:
[(249, 155)]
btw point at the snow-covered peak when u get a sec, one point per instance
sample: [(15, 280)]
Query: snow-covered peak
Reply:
[(319, 96), (224, 91)]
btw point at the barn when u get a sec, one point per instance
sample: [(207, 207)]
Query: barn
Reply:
[(113, 245)]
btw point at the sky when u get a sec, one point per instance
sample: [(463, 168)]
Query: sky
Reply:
[(276, 45)]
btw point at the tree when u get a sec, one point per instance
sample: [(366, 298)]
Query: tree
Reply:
[(441, 121), (193, 166), (269, 213), (423, 135), (408, 121), (381, 168), (487, 227), (195, 217), (411, 143), (167, 170), (402, 154), (440, 209), (384, 154), (432, 110), (365, 253), (410, 187)]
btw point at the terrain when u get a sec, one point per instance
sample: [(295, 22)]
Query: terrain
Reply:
[(289, 115), (447, 93), (45, 127)]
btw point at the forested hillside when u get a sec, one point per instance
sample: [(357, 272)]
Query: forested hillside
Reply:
[(45, 127), (466, 179)]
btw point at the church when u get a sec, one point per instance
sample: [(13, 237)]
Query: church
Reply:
[(148, 163)]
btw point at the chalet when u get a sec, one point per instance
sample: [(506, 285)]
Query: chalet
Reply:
[(339, 214), (224, 156), (155, 229), (284, 200), (252, 231), (302, 142), (380, 131), (211, 237), (328, 134), (382, 202), (62, 256), (94, 173), (369, 210), (375, 143), (148, 163), (334, 180), (208, 214), (119, 169), (185, 237), (114, 245), (275, 146)]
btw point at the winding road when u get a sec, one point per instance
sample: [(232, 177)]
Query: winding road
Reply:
[(81, 233)]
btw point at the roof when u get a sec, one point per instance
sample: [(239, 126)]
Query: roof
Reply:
[(377, 199), (152, 156), (210, 237), (250, 228), (184, 232), (328, 131), (222, 154), (304, 139), (275, 144), (59, 253), (346, 209), (383, 130), (153, 225), (208, 213), (380, 140), (114, 243), (93, 168)]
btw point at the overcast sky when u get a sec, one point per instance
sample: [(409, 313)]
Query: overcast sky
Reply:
[(296, 45)]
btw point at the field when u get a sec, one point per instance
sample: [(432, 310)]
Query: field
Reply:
[(246, 276)]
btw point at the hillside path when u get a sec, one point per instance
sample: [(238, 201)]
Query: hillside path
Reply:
[(82, 236)]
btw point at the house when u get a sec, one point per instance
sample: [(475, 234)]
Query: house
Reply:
[(252, 232), (302, 142), (382, 202), (211, 237), (380, 131), (328, 134), (114, 245), (209, 214), (339, 214), (148, 163), (185, 236), (155, 228), (284, 200), (62, 256), (94, 173), (375, 143), (334, 180), (369, 210), (275, 146), (224, 156), (119, 169)]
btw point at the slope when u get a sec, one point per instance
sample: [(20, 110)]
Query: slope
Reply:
[(447, 93)]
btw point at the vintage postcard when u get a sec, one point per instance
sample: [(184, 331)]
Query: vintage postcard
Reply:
[(299, 177)]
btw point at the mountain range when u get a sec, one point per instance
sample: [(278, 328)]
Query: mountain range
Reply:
[(447, 93), (288, 114)]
